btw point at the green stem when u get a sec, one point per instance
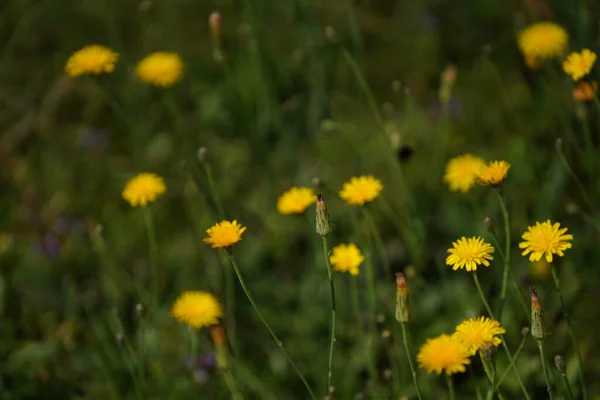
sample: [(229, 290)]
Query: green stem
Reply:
[(410, 362), (142, 350), (332, 290), (490, 371), (472, 375), (574, 341), (580, 186), (149, 221), (506, 218), (545, 368), (450, 387), (356, 305), (568, 385), (512, 362), (279, 342), (378, 241), (213, 190)]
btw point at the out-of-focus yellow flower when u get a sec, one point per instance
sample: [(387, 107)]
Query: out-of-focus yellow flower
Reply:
[(160, 69), (584, 91), (91, 60), (346, 258), (579, 65), (197, 309), (545, 239), (539, 270), (443, 353), (143, 188), (543, 40), (224, 234), (469, 253), (361, 190), (493, 174), (461, 172), (296, 200), (479, 333)]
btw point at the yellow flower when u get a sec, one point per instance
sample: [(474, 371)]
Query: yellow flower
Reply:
[(539, 270), (461, 171), (584, 91), (361, 190), (543, 40), (143, 188), (493, 174), (545, 239), (92, 60), (469, 253), (346, 258), (443, 353), (479, 333), (296, 200), (197, 309), (224, 234), (160, 69), (579, 65)]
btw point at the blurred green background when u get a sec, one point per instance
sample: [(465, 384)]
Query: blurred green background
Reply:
[(309, 93)]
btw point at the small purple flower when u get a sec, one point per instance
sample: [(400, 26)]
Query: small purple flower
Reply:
[(93, 139)]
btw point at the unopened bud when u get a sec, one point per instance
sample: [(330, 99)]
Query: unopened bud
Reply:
[(525, 331), (202, 153), (538, 325), (448, 78), (324, 226), (119, 338), (559, 145), (217, 332), (214, 23), (139, 309), (490, 224), (331, 34), (560, 364), (403, 307)]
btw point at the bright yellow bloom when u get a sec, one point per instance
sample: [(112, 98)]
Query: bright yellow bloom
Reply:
[(361, 190), (296, 200), (91, 60), (469, 253), (545, 239), (346, 258), (584, 91), (160, 69), (479, 333), (224, 234), (579, 65), (461, 172), (197, 309), (543, 40), (443, 353), (493, 174), (143, 188)]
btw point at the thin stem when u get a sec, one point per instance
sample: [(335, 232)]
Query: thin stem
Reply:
[(410, 362), (574, 341), (472, 375), (568, 385), (450, 386), (580, 186), (279, 342), (490, 371), (142, 350), (356, 305), (545, 368), (378, 241), (485, 303), (149, 221), (512, 362), (506, 218), (213, 190), (332, 290)]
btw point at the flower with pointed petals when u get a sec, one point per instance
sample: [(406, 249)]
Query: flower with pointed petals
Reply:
[(479, 333), (579, 65), (361, 190), (224, 234), (91, 60), (545, 239), (493, 174), (469, 253), (443, 353)]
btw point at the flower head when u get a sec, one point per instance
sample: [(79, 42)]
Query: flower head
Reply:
[(346, 258), (584, 91), (160, 69), (197, 309), (361, 190), (545, 239), (443, 353), (296, 200), (461, 172), (91, 60), (478, 333), (469, 253), (143, 188), (493, 174), (579, 65), (224, 234), (543, 40)]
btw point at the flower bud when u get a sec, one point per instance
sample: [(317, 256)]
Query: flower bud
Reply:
[(218, 336), (139, 310), (538, 325), (403, 307), (214, 23), (490, 353), (560, 364), (202, 153), (525, 331), (324, 226), (490, 224)]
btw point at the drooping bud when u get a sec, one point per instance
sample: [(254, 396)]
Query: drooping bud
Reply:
[(538, 325), (490, 224), (560, 364), (324, 226), (403, 307), (448, 78)]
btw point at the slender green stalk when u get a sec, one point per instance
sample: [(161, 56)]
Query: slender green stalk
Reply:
[(332, 290), (410, 361), (378, 241), (193, 343), (142, 350), (213, 190), (545, 368), (512, 362), (149, 221), (574, 341), (450, 386), (370, 274), (368, 354), (279, 342), (472, 375), (230, 383), (506, 218), (580, 186), (490, 371), (568, 385)]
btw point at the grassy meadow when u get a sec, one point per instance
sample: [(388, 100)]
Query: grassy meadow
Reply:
[(260, 96)]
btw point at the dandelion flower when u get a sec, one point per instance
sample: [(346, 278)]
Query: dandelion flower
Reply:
[(296, 200), (584, 91), (197, 309), (545, 239), (443, 353), (361, 190), (469, 253), (461, 172), (493, 174), (579, 65), (224, 234), (346, 258), (543, 40), (143, 188), (91, 60), (479, 333), (160, 69)]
